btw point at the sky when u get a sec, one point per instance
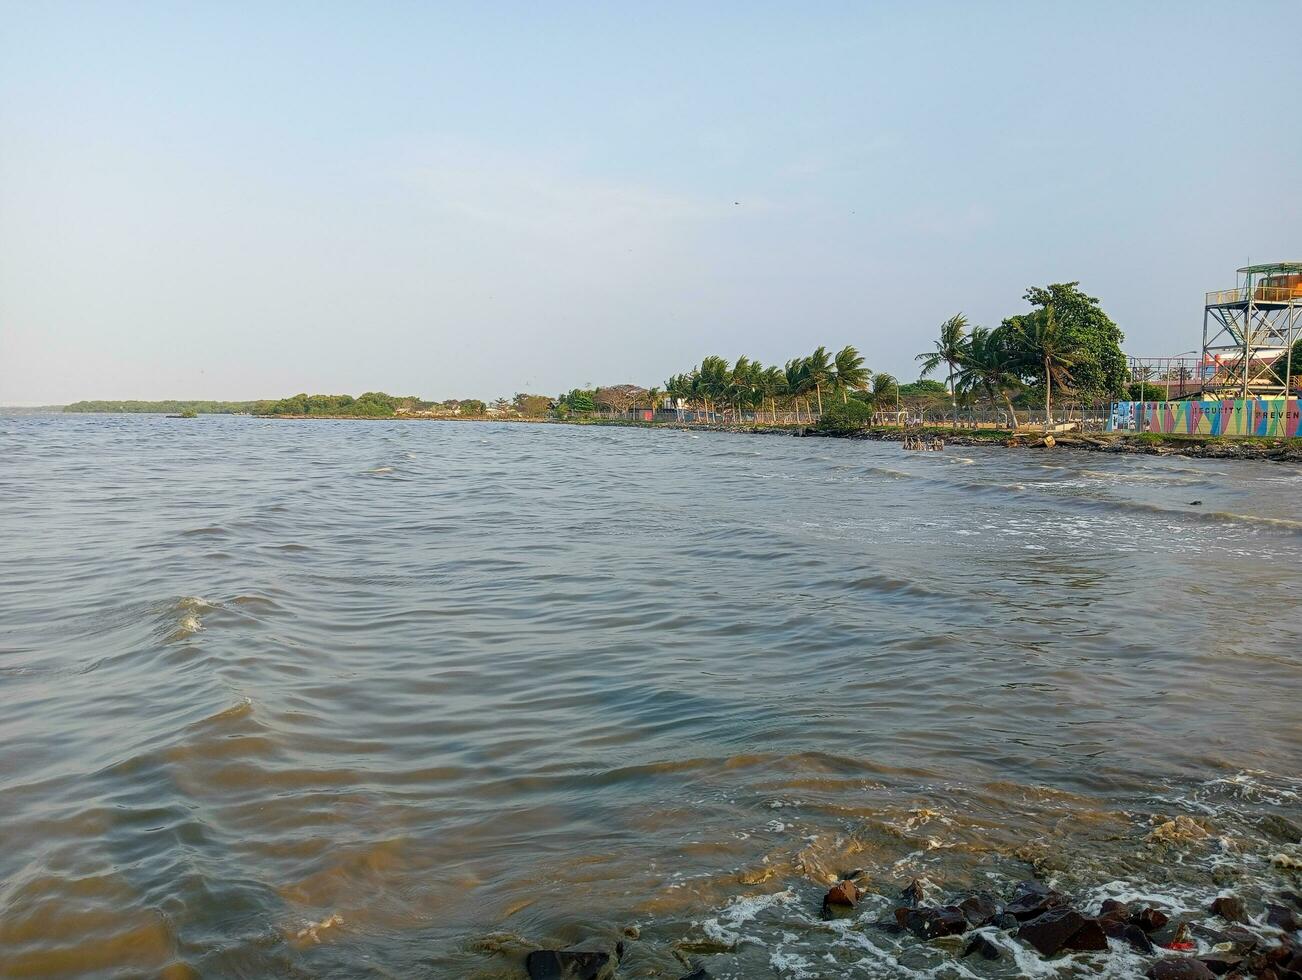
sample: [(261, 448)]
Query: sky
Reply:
[(247, 200)]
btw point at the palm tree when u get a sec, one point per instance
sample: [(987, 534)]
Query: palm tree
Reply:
[(712, 380), (1041, 340), (680, 387), (947, 349), (990, 366), (797, 378), (818, 367), (772, 382), (851, 375), (739, 385), (885, 388)]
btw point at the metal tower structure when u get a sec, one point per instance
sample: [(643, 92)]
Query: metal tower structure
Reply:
[(1249, 330)]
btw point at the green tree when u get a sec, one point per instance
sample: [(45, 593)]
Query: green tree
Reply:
[(1099, 368), (531, 406), (820, 373), (772, 383), (797, 378), (851, 375), (947, 349), (1039, 339), (989, 366)]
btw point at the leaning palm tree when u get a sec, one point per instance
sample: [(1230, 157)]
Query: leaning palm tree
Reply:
[(818, 366), (989, 365), (885, 389), (797, 381), (738, 385), (772, 382), (1041, 340), (948, 349), (851, 375)]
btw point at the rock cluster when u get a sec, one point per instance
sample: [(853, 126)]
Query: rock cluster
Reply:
[(1047, 921)]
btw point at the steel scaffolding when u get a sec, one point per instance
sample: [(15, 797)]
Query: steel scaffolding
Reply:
[(1249, 331)]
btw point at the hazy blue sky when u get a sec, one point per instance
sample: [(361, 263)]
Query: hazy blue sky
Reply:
[(251, 199)]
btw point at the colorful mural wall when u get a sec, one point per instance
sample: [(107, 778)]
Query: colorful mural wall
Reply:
[(1229, 417)]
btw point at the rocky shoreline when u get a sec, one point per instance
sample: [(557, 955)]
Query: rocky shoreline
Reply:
[(1145, 444), (1230, 940)]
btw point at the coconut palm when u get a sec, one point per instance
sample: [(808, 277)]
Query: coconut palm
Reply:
[(739, 385), (990, 366), (772, 382), (712, 380), (851, 375), (1039, 339), (797, 378), (818, 367), (947, 349)]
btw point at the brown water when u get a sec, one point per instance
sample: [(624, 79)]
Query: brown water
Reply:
[(330, 699)]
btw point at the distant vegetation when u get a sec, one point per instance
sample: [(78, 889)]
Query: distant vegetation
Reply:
[(174, 407), (1065, 347)]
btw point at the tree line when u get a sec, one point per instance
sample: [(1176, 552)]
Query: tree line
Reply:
[(1066, 345)]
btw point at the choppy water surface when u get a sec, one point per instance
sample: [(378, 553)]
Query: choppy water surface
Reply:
[(402, 699)]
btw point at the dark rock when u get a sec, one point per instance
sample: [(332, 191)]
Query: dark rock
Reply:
[(1280, 829), (697, 974), (1138, 939), (1112, 909), (1032, 899), (1149, 919), (569, 964), (887, 925), (1006, 920), (1195, 503), (1221, 963), (928, 923), (1243, 939), (1292, 897), (1179, 968), (980, 944), (1052, 931), (902, 917), (840, 900), (1089, 937), (1282, 918), (1230, 908), (979, 909), (912, 892)]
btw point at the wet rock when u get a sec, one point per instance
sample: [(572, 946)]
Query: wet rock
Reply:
[(1243, 939), (979, 909), (1053, 930), (983, 946), (928, 923), (1006, 920), (1032, 899), (912, 892), (1179, 968), (570, 964), (1282, 918), (1293, 897), (1138, 939), (1112, 909), (1230, 908), (1149, 919), (1089, 937), (840, 900), (697, 974), (1280, 829), (888, 926), (1222, 963)]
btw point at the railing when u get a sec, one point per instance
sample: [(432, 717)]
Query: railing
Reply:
[(1260, 294)]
